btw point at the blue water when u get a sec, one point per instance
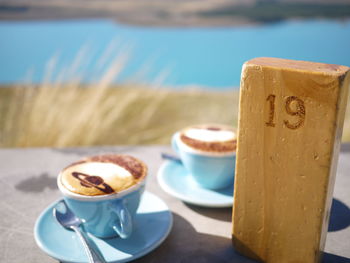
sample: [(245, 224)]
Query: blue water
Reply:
[(209, 57)]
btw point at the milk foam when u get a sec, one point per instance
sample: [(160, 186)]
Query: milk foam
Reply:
[(208, 139), (206, 135)]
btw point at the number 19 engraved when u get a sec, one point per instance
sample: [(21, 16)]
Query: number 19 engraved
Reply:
[(299, 110)]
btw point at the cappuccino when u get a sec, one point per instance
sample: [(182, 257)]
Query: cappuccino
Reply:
[(103, 174), (211, 138)]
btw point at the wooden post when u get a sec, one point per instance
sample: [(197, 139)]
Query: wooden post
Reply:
[(290, 124)]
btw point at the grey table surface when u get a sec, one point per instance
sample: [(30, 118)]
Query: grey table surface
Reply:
[(28, 186)]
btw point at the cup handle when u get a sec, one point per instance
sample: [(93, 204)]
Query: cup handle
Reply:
[(174, 143), (123, 226)]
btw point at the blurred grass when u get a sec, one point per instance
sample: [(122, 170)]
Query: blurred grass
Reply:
[(54, 114), (75, 115), (57, 114)]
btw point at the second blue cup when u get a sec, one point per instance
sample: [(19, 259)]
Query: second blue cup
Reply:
[(208, 170)]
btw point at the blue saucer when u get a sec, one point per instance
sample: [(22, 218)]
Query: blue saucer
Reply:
[(153, 222), (176, 181)]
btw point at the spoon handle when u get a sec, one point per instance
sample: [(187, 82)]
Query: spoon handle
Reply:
[(171, 157), (92, 255)]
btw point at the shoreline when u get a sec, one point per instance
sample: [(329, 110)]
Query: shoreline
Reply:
[(170, 14), (237, 24)]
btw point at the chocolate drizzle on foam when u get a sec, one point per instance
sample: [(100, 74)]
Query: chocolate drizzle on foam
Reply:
[(215, 146), (93, 181)]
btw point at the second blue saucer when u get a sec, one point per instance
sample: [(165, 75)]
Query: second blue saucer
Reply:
[(174, 179)]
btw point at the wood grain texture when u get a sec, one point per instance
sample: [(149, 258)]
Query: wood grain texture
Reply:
[(290, 123)]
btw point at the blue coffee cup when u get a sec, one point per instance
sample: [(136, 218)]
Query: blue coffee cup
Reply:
[(106, 216), (208, 170)]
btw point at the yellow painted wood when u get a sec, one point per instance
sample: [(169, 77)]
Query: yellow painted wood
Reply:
[(290, 123)]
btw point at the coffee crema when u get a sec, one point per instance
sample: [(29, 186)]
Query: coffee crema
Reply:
[(212, 138), (103, 174)]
